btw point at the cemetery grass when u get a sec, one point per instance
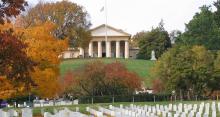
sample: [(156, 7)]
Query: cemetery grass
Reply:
[(82, 107), (141, 67)]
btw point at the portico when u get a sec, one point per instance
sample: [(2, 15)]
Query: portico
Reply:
[(116, 45), (113, 48)]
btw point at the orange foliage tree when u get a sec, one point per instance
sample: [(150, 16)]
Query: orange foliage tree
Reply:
[(44, 49), (15, 65), (21, 48), (72, 20), (7, 89)]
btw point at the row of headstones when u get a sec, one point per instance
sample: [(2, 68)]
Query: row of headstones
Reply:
[(116, 112), (188, 109), (26, 112), (180, 110), (131, 111), (18, 105), (167, 112), (42, 103), (64, 113)]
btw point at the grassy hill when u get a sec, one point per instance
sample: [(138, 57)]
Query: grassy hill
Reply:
[(141, 67)]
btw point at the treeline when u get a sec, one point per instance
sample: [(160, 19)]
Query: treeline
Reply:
[(191, 67), (187, 70), (203, 29)]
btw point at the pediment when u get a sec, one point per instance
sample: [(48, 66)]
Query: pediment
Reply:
[(101, 30)]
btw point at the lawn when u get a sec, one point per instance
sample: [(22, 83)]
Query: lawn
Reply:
[(141, 67)]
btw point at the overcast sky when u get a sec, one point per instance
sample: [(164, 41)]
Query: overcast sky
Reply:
[(136, 15)]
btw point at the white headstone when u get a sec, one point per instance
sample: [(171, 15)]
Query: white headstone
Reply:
[(198, 114), (3, 113), (213, 113), (183, 114), (77, 109), (176, 115), (12, 113), (25, 104), (55, 111), (121, 106), (170, 107), (169, 114), (164, 114), (205, 115), (191, 114), (174, 108), (46, 114), (87, 109), (27, 112)]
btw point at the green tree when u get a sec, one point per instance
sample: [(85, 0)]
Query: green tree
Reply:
[(136, 38), (214, 83), (185, 69), (202, 30), (71, 19), (174, 35), (217, 12), (157, 39)]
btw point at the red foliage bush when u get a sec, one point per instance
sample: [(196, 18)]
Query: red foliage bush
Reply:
[(157, 86), (100, 79)]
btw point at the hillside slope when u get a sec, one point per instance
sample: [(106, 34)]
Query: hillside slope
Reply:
[(141, 67)]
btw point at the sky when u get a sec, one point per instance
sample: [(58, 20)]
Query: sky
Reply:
[(134, 16)]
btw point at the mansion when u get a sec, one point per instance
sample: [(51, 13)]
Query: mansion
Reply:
[(116, 45)]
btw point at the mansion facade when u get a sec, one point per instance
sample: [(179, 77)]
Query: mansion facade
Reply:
[(116, 45)]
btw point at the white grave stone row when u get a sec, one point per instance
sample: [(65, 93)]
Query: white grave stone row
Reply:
[(64, 113), (170, 110), (94, 112), (108, 112), (26, 112), (43, 103)]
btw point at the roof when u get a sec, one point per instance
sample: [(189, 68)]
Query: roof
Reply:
[(109, 28)]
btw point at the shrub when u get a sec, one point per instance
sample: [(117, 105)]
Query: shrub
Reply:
[(99, 79)]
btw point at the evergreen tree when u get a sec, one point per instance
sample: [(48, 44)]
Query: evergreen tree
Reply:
[(157, 39), (202, 30)]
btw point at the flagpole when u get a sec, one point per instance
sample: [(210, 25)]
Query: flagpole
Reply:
[(106, 21)]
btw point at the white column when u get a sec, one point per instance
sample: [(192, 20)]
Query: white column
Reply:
[(108, 49), (99, 49), (117, 49), (81, 52), (126, 49), (91, 49)]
